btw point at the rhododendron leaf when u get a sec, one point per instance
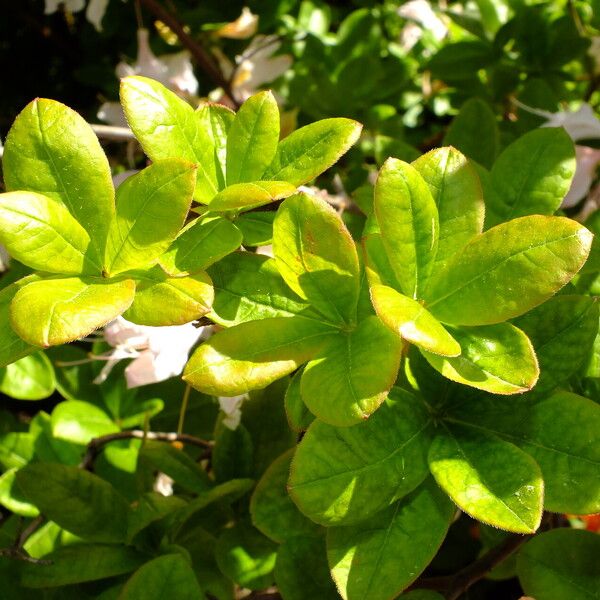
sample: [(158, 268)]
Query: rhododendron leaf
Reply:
[(246, 556), (200, 244), (273, 512), (560, 432), (151, 209), (562, 563), (42, 234), (167, 127), (254, 354), (256, 227), (352, 374), (248, 287), (496, 358), (253, 138), (29, 378), (297, 413), (474, 131), (216, 119), (412, 321), (298, 557), (456, 190), (79, 563), (343, 475), (12, 346), (562, 331), (56, 311), (382, 555), (531, 177), (160, 576), (316, 256), (53, 151), (508, 270), (244, 196), (161, 300), (377, 264), (409, 224), (490, 479), (77, 500), (79, 422), (312, 149)]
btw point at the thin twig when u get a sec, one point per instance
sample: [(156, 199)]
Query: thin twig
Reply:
[(97, 444), (201, 56), (115, 134)]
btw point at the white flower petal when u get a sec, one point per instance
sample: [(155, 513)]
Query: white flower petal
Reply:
[(585, 173), (421, 12), (243, 27), (232, 407), (112, 113), (95, 13), (581, 124)]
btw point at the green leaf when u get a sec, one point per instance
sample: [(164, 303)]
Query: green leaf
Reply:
[(30, 378), (381, 556), (408, 219), (412, 321), (298, 415), (532, 176), (160, 577), (256, 227), (12, 498), (233, 454), (301, 571), (248, 287), (148, 509), (488, 478), (200, 244), (252, 355), (51, 150), (216, 119), (151, 209), (495, 358), (559, 564), (508, 270), (56, 311), (474, 132), (77, 500), (79, 563), (16, 449), (352, 374), (377, 264), (42, 234), (272, 510), (161, 300), (562, 331), (176, 464), (253, 138), (316, 256), (79, 422), (312, 149), (343, 475), (12, 347), (168, 127), (244, 196), (559, 432), (246, 556), (421, 595), (456, 190)]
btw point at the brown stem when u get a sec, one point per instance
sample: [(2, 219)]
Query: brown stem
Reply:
[(95, 446), (453, 586), (201, 56)]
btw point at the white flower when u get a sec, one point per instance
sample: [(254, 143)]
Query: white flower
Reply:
[(94, 13), (581, 124), (424, 18), (243, 27), (175, 71), (4, 259), (232, 407), (158, 352), (119, 178), (585, 173), (256, 66)]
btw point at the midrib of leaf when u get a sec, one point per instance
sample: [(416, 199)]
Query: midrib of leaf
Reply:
[(135, 223), (369, 466), (483, 481), (498, 265), (242, 162)]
